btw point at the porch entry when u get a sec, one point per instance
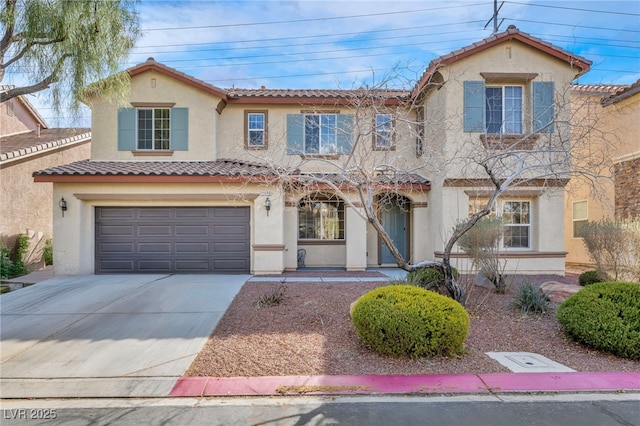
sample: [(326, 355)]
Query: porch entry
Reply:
[(394, 215)]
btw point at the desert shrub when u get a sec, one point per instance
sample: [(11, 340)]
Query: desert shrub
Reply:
[(272, 298), (531, 298), (408, 320), (482, 244), (4, 289), (430, 278), (591, 277), (47, 252), (614, 246), (605, 316)]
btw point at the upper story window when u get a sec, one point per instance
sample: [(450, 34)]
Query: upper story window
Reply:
[(320, 134), (255, 129), (503, 110), (154, 128), (383, 134), (325, 133), (509, 109)]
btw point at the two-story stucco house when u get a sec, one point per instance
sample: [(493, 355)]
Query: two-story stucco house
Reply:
[(188, 177)]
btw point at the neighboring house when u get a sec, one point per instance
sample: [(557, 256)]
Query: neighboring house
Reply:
[(612, 116), (185, 178), (27, 144)]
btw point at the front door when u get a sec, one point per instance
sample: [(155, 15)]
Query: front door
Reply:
[(395, 219)]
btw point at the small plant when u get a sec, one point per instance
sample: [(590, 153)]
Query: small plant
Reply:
[(408, 320), (531, 298), (47, 252), (273, 298), (605, 316), (591, 277), (4, 289)]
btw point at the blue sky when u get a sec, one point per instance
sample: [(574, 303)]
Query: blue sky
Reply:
[(347, 44)]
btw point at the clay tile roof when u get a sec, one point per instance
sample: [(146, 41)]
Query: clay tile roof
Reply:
[(310, 93), (401, 178), (158, 168), (29, 143), (598, 89), (622, 94)]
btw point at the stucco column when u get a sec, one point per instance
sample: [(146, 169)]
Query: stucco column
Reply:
[(268, 245), (421, 245), (356, 238)]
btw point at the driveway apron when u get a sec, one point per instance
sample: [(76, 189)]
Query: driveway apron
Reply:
[(111, 325)]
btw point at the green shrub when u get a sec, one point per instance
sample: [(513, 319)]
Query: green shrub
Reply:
[(605, 316), (408, 320), (590, 277), (430, 278), (22, 247), (6, 265), (531, 298), (47, 252)]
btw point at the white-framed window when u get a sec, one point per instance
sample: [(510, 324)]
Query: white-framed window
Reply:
[(580, 216), (154, 128), (321, 218), (383, 135), (320, 134), (516, 218), (256, 129), (503, 109)]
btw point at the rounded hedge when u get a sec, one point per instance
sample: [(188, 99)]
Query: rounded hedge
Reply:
[(605, 316), (408, 320)]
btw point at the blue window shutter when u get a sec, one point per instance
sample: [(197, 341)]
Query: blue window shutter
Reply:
[(474, 106), (180, 129), (345, 133), (127, 129), (295, 134), (543, 107)]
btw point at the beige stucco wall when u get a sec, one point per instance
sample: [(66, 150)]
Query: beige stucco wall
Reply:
[(203, 119), (15, 117)]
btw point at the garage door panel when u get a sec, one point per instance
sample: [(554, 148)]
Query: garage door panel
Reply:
[(202, 230), (190, 248), (156, 248), (155, 213), (171, 240)]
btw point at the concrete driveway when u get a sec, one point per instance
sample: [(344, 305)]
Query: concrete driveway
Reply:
[(108, 326)]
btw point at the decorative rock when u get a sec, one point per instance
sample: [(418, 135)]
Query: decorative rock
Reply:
[(558, 292)]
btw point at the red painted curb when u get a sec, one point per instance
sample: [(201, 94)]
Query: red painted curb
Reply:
[(423, 384)]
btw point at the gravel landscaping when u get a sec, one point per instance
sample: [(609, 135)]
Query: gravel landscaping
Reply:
[(310, 333)]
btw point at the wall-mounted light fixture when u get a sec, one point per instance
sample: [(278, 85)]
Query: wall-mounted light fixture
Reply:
[(267, 205), (63, 205)]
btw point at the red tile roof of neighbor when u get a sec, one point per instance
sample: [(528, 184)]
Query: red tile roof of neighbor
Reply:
[(29, 143)]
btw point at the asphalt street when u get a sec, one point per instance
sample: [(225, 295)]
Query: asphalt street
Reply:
[(496, 410)]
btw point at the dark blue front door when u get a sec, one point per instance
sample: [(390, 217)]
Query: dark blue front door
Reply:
[(394, 220)]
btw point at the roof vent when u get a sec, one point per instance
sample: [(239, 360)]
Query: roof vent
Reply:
[(512, 27)]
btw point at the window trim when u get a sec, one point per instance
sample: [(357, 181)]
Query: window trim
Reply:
[(391, 130), (320, 114), (574, 220), (504, 109), (265, 140), (340, 210)]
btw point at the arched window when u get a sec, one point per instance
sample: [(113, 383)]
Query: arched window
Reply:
[(320, 218)]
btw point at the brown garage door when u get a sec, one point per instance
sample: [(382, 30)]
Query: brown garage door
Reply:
[(172, 239)]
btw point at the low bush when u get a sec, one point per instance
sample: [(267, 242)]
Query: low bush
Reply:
[(6, 265), (531, 298), (47, 252), (605, 316), (408, 320), (591, 277), (272, 298), (429, 278)]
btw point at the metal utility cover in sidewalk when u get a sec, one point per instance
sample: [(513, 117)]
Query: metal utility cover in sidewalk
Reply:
[(527, 362)]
